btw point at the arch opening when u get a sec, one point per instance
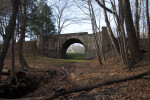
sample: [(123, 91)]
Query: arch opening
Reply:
[(73, 49)]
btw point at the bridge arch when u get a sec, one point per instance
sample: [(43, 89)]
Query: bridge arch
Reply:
[(48, 45), (69, 42)]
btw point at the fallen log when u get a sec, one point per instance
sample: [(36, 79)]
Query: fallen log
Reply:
[(87, 88)]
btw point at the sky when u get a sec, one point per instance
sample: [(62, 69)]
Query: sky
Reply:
[(79, 11), (78, 15)]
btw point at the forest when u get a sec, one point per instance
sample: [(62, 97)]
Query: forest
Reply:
[(121, 72)]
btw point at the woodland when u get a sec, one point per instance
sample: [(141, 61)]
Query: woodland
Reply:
[(122, 73)]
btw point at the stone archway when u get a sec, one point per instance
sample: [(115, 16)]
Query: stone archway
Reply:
[(48, 45), (67, 43)]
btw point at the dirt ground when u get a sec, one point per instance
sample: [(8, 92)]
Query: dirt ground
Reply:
[(54, 77)]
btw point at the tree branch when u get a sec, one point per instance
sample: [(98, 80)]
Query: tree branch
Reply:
[(104, 7), (87, 88)]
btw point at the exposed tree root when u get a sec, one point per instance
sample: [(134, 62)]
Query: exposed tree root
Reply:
[(87, 88), (24, 85)]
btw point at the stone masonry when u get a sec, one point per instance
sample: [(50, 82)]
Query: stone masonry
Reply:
[(49, 45)]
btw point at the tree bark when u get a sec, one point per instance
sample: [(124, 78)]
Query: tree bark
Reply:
[(94, 28), (136, 17), (13, 78), (100, 38), (22, 60), (9, 30), (121, 33), (148, 27), (132, 39)]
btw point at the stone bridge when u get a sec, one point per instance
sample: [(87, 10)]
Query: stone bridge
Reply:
[(49, 45)]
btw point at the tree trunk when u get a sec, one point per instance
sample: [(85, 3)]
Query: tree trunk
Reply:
[(113, 40), (9, 30), (13, 78), (100, 38), (94, 28), (148, 27), (122, 37), (136, 17), (132, 39), (58, 49), (22, 60), (98, 52)]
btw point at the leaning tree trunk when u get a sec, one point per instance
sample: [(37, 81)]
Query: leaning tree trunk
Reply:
[(22, 60), (9, 31), (132, 39), (148, 27), (113, 40), (121, 33)]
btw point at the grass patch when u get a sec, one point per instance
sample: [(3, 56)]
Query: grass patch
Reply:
[(43, 60), (40, 61), (76, 56), (46, 60)]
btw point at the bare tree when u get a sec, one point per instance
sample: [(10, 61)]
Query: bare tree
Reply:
[(93, 12), (13, 77), (119, 20), (134, 51), (62, 14), (9, 30), (137, 17), (5, 11), (94, 28), (132, 39), (113, 40), (23, 23), (148, 26)]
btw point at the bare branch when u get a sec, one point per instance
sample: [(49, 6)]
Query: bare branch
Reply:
[(104, 7)]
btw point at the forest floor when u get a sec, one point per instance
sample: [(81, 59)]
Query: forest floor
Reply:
[(55, 75)]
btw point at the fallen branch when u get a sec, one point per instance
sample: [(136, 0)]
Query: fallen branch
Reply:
[(87, 88)]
